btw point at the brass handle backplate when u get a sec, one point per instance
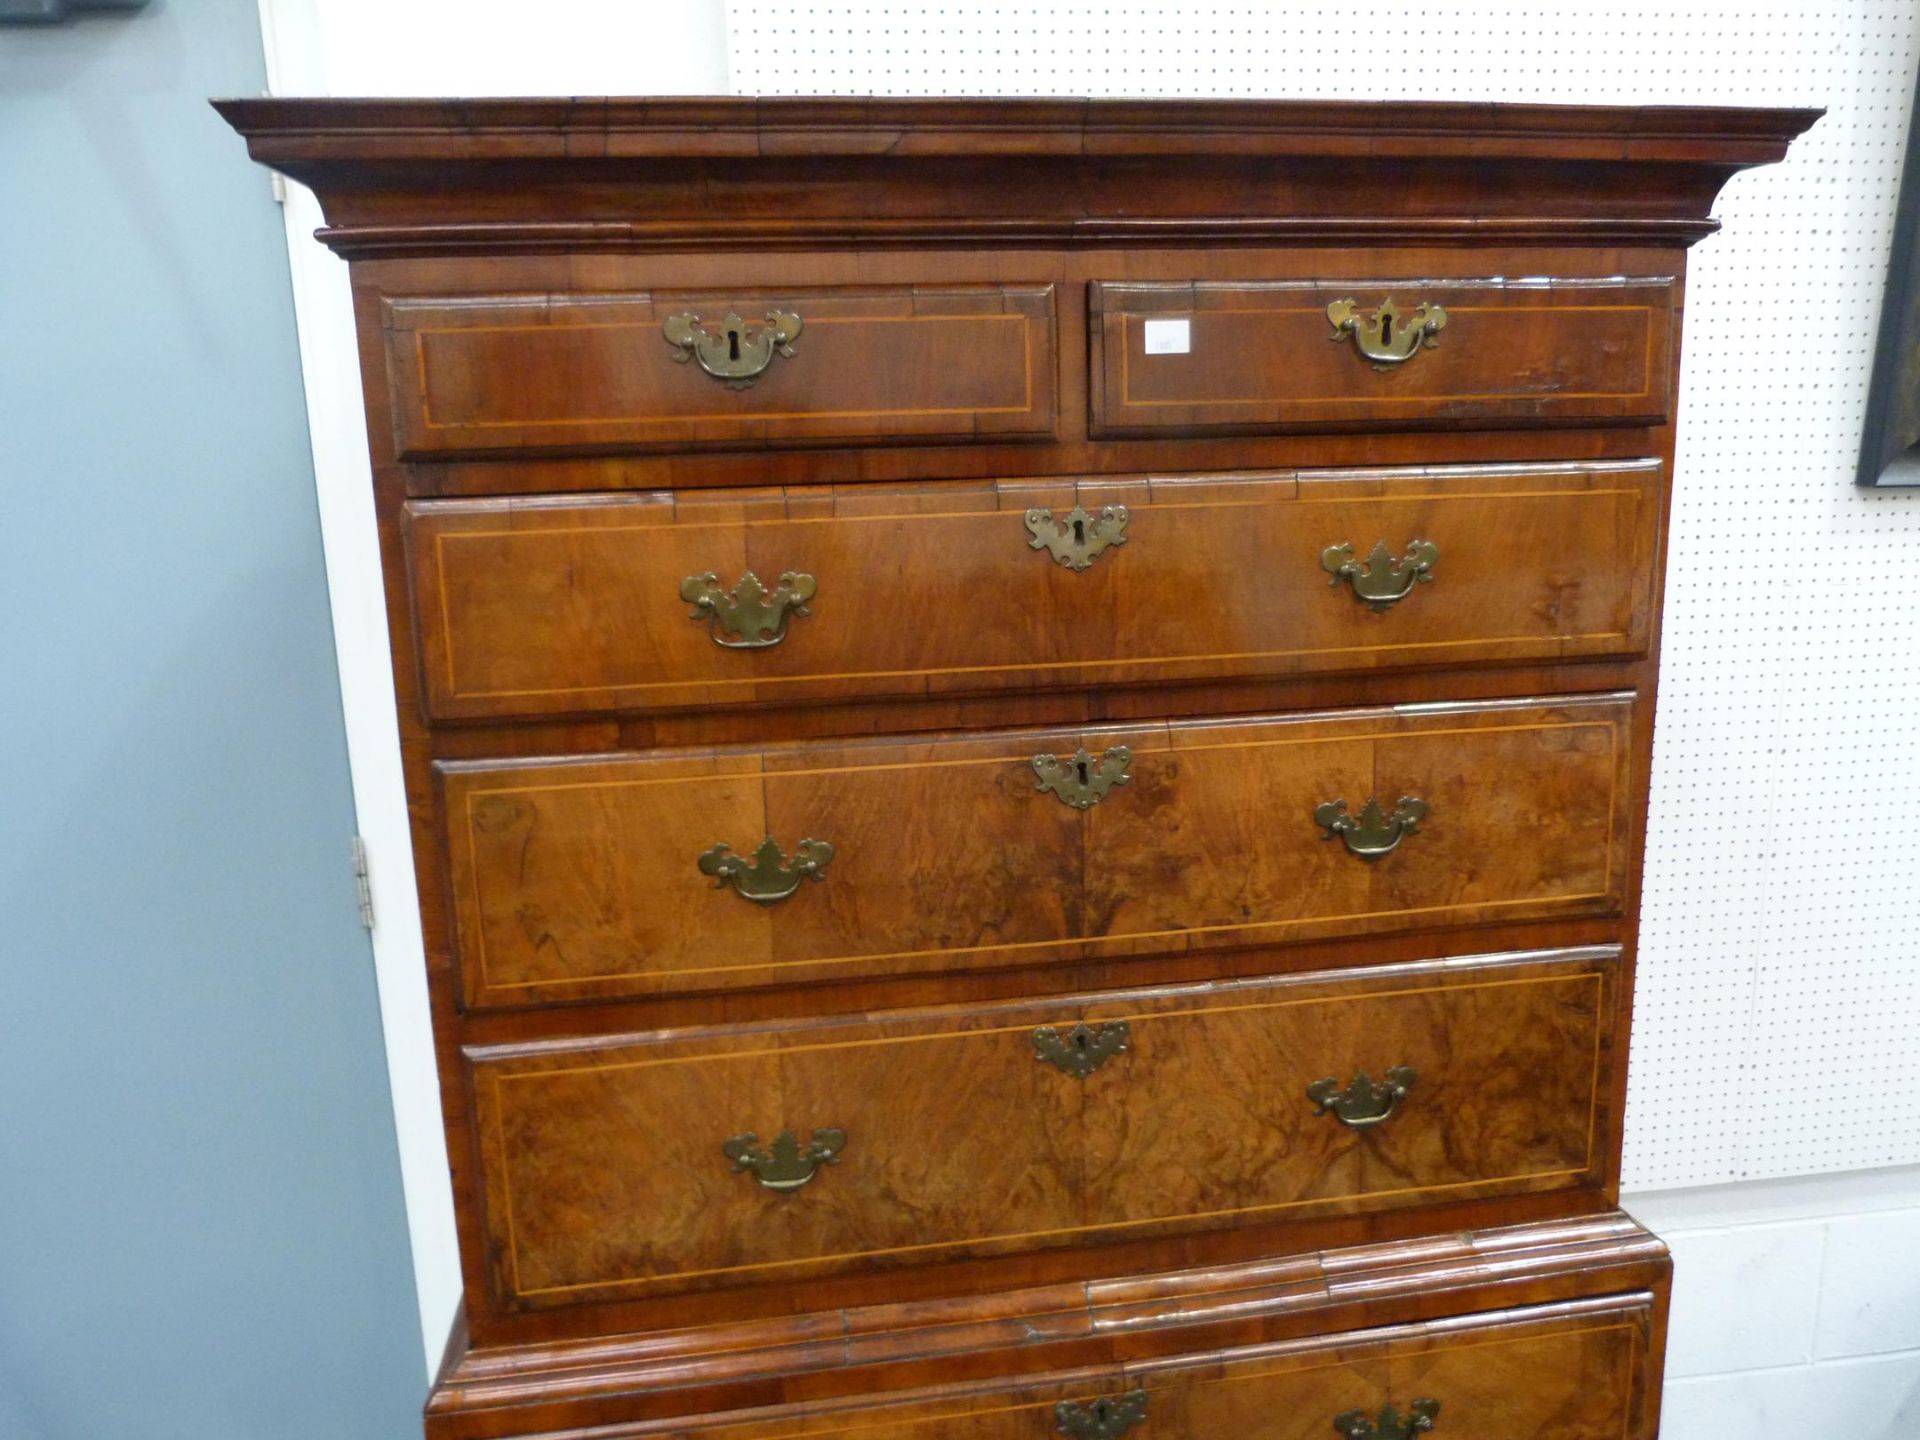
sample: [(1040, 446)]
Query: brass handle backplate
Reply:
[(1077, 540), (786, 1164), (736, 354), (1373, 832), (1107, 1418), (1083, 1049), (1080, 780), (1365, 1101), (769, 877), (1391, 1425), (1380, 580), (1384, 337), (749, 616)]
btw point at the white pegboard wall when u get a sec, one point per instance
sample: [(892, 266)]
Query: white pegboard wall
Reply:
[(1779, 994)]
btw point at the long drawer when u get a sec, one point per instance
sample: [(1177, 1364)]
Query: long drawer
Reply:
[(698, 1160), (1422, 354), (534, 373), (652, 602), (1573, 1370), (682, 871)]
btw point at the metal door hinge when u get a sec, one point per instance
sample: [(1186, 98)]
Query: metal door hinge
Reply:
[(362, 887)]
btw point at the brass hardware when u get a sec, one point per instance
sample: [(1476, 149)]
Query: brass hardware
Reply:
[(1390, 1426), (1083, 1049), (1383, 337), (1364, 1102), (1374, 833), (769, 877), (1381, 579), (1101, 1419), (736, 355), (752, 615), (1081, 781), (785, 1164), (1078, 539)]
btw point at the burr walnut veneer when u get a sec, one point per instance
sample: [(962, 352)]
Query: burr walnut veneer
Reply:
[(1027, 729)]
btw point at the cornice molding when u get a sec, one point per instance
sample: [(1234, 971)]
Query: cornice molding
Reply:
[(435, 177)]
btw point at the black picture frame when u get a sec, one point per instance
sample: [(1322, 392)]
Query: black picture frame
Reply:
[(1890, 442)]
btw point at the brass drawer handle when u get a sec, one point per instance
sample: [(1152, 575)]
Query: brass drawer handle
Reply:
[(750, 616), (1374, 833), (1101, 1419), (1380, 580), (1083, 1049), (1383, 337), (1076, 541), (1080, 780), (769, 877), (736, 355), (1390, 1426), (1365, 1101), (786, 1164)]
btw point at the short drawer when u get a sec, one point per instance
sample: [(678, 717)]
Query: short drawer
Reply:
[(559, 606), (746, 369), (1412, 354), (679, 872), (695, 1160)]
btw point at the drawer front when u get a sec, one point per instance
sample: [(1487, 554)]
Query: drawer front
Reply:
[(1572, 1371), (719, 1158), (530, 373), (1270, 356), (558, 606), (578, 879)]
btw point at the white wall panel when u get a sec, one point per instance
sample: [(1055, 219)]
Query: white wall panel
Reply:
[(1779, 1004), (425, 47)]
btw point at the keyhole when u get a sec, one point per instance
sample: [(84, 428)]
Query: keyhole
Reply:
[(733, 344), (1386, 329), (1079, 532), (1080, 1040), (1081, 767)]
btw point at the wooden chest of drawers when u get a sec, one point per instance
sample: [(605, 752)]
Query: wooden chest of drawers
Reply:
[(1027, 726)]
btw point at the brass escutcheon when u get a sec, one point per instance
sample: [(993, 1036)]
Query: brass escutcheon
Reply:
[(1102, 1419), (786, 1164), (1080, 780), (1083, 1049), (1365, 1101), (1383, 337), (750, 616), (1374, 833), (1077, 540), (1381, 580), (1391, 1425), (736, 355), (769, 877)]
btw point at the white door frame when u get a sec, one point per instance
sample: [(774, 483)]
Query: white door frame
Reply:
[(448, 47)]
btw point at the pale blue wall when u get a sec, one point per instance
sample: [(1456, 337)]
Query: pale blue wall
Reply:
[(201, 1232)]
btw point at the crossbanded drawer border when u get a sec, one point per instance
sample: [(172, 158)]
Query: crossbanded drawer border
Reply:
[(1603, 970)]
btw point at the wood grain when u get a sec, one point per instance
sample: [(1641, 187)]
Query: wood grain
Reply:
[(475, 374), (577, 879), (812, 173), (605, 1174), (463, 218), (1264, 355), (1564, 1372), (558, 606), (853, 1362)]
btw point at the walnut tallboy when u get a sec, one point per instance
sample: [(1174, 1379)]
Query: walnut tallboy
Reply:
[(1027, 727)]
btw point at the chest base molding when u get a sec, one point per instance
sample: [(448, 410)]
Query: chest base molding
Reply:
[(901, 1366)]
